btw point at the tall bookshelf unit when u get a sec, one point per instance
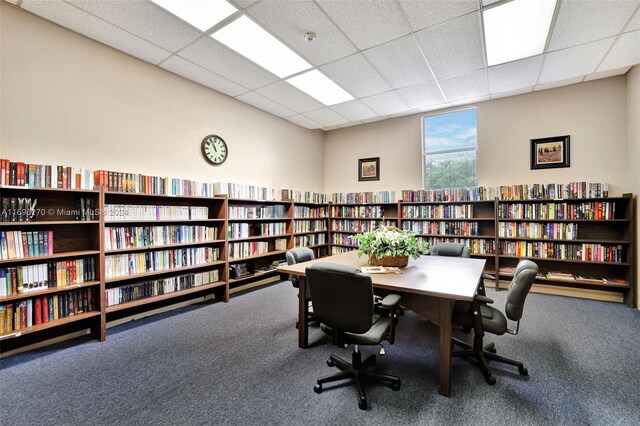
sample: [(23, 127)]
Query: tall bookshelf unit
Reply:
[(347, 219), (160, 250), (259, 234), (584, 243), (472, 223), (58, 265), (311, 227)]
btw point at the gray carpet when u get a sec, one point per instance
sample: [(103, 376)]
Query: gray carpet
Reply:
[(238, 363)]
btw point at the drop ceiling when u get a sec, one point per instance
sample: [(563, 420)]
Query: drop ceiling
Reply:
[(395, 57)]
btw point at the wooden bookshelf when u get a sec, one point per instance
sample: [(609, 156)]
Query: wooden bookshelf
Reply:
[(259, 233), (59, 261), (591, 240), (347, 219), (172, 257), (311, 227)]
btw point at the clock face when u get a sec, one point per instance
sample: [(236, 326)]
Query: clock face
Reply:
[(214, 149)]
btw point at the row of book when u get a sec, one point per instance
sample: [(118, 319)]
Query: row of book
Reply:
[(478, 193), (153, 185), (339, 250), (18, 209), (549, 250), (122, 212), (17, 173), (303, 212), (343, 239), (125, 237), (243, 191), (309, 240), (39, 310), (309, 226), (120, 265), (258, 212), (245, 230), (32, 278), (566, 276), (25, 244), (375, 212), (253, 248), (363, 197), (477, 245), (551, 231), (441, 211), (595, 210), (303, 196), (550, 191), (144, 290), (442, 227), (359, 225)]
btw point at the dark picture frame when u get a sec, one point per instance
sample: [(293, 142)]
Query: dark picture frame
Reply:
[(550, 153), (369, 169)]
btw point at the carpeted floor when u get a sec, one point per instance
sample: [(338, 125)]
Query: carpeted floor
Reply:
[(238, 363)]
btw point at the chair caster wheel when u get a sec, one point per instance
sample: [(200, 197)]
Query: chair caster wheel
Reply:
[(523, 371), (362, 403), (330, 362), (491, 347), (395, 386), (317, 388), (491, 380)]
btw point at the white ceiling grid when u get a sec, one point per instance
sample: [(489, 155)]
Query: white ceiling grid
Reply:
[(396, 57)]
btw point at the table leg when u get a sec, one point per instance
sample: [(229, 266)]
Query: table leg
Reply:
[(446, 310), (303, 313)]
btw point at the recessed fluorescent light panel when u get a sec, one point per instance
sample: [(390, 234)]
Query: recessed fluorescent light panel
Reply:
[(317, 85), (517, 29), (251, 41), (202, 14)]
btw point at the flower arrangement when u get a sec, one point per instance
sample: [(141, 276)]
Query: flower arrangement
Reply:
[(389, 242)]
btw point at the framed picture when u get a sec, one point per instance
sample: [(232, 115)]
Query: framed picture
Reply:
[(550, 153), (369, 169)]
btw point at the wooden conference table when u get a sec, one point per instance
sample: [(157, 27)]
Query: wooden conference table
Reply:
[(429, 286)]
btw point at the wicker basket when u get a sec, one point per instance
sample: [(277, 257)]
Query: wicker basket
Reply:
[(399, 261)]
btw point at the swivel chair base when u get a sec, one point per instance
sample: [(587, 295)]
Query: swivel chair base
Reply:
[(482, 354), (356, 371)]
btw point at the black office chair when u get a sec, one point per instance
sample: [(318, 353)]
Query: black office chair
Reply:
[(343, 303), (299, 255), (484, 318)]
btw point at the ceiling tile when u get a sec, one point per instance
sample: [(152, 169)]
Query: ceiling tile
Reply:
[(625, 51), (455, 47), (290, 20), (560, 83), (287, 95), (471, 101), (422, 95), (427, 13), (385, 103), (350, 124), (400, 62), (367, 23), (303, 121), (511, 93), (355, 75), (404, 113), (353, 110), (194, 72), (242, 4), (573, 62), (13, 1), (635, 22), (326, 117), (583, 21), (467, 86), (605, 74), (88, 25), (144, 19), (265, 104), (514, 75), (373, 119), (215, 57)]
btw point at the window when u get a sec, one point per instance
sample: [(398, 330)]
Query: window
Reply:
[(449, 150)]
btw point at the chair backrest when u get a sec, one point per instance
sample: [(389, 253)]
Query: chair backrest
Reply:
[(521, 283), (342, 297), (298, 255), (450, 250)]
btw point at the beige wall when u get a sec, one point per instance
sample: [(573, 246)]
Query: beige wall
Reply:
[(69, 100), (593, 113), (633, 117)]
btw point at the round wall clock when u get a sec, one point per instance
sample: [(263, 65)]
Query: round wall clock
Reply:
[(214, 149)]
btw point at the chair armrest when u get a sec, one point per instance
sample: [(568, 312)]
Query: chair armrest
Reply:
[(390, 301), (484, 299)]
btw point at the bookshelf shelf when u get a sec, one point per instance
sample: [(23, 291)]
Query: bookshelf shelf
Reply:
[(152, 299), (68, 254), (310, 232), (50, 190), (549, 259), (254, 276), (52, 324), (44, 292), (578, 241), (177, 221), (257, 256), (164, 246), (51, 223), (259, 237), (261, 219), (163, 272)]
